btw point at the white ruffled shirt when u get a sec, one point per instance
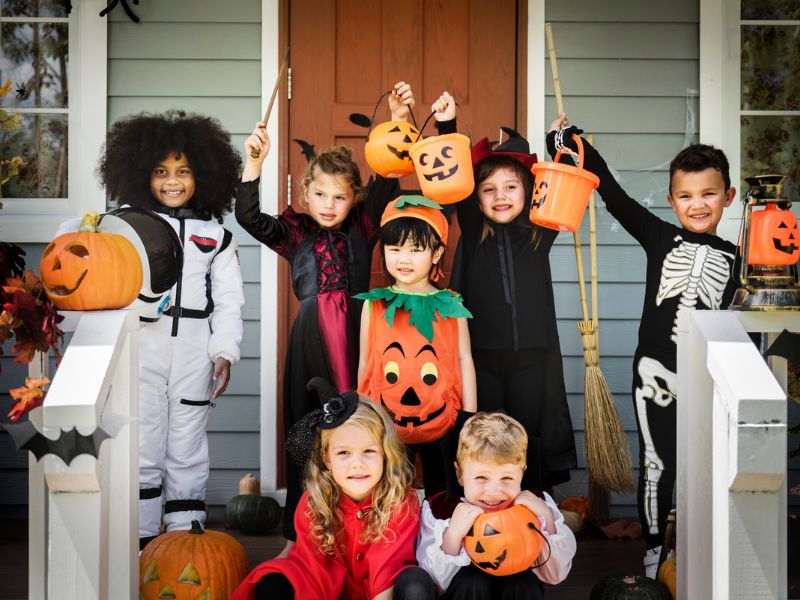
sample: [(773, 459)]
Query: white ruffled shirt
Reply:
[(443, 567)]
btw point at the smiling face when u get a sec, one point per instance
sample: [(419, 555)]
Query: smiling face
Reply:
[(698, 199), (410, 265), (502, 195), (172, 181), (489, 485), (329, 199), (355, 460)]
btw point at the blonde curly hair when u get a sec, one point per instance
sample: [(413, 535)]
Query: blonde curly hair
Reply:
[(387, 496)]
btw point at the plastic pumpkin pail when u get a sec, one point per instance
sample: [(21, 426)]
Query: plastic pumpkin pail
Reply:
[(444, 167), (386, 149), (561, 192)]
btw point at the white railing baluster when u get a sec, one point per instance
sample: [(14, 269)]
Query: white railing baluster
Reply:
[(731, 485), (84, 516)]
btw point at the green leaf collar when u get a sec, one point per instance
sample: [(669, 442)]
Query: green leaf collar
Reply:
[(423, 308)]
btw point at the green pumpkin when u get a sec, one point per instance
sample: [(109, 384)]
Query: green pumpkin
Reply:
[(253, 514), (629, 587)]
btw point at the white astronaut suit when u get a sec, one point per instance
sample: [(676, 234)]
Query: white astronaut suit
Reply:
[(177, 354)]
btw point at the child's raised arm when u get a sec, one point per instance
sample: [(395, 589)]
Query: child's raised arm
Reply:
[(401, 101), (256, 141), (444, 109)]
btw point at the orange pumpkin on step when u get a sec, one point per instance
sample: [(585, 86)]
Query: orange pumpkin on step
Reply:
[(89, 270), (504, 542), (191, 565)]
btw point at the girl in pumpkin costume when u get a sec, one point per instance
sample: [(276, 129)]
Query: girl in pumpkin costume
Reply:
[(415, 358), (357, 522), (502, 269), (184, 168)]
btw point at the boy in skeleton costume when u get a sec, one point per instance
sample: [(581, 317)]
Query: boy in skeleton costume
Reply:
[(688, 266)]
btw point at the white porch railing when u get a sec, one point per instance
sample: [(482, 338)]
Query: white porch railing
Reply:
[(83, 528), (731, 479)]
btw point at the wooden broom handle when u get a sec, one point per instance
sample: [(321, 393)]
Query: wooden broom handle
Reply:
[(576, 238), (593, 249)]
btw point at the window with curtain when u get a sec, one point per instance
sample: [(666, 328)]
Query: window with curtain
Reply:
[(770, 90), (34, 58)]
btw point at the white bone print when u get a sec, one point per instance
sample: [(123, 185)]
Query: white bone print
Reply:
[(694, 271), (659, 385)]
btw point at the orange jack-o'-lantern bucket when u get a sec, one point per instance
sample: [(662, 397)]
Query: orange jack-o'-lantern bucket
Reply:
[(444, 167), (505, 542), (387, 145), (561, 192), (773, 237)]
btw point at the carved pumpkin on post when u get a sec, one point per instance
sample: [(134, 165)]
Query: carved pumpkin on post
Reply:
[(504, 542), (387, 146), (90, 270), (191, 565)]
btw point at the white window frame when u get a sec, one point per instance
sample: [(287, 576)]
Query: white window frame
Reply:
[(36, 219), (720, 93)]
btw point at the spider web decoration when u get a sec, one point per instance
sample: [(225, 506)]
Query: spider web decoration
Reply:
[(113, 4)]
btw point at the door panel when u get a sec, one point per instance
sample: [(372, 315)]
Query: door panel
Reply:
[(346, 53)]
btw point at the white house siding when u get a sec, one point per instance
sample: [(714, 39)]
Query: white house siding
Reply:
[(629, 75)]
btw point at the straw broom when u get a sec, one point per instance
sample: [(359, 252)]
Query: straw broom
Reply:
[(607, 452)]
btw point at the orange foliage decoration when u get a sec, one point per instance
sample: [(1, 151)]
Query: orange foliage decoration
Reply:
[(27, 397)]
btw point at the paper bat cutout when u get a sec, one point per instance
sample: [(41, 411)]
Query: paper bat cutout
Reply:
[(787, 345), (307, 149), (69, 444)]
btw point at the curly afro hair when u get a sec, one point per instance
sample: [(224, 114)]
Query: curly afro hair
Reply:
[(139, 142)]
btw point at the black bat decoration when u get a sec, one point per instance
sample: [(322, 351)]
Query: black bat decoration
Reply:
[(69, 444), (112, 5), (787, 345), (307, 149)]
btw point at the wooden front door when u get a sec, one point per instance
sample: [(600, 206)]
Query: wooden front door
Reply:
[(346, 53)]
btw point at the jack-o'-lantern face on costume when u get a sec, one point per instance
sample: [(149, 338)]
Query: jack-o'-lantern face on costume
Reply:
[(774, 238), (417, 387), (387, 148)]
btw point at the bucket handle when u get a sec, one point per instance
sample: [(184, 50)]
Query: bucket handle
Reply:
[(579, 143), (375, 111), (421, 129)]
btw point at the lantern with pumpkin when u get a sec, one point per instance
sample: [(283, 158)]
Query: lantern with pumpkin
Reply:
[(769, 247), (191, 565), (90, 270), (504, 542)]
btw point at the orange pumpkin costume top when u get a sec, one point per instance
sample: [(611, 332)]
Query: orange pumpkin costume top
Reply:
[(413, 366)]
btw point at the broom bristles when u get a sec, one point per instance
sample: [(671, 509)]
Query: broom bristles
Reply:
[(607, 452)]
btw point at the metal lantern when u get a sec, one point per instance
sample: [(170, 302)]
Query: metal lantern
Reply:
[(770, 248)]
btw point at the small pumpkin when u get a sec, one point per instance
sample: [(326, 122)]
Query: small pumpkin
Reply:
[(250, 511), (578, 504), (90, 270), (504, 542), (387, 146), (191, 565), (573, 520), (629, 587), (668, 575)]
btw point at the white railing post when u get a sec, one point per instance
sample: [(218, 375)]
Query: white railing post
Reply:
[(84, 541), (731, 483)]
